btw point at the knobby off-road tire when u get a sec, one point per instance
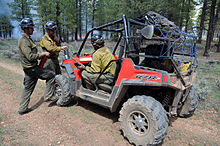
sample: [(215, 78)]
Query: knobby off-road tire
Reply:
[(62, 90), (190, 104), (143, 121)]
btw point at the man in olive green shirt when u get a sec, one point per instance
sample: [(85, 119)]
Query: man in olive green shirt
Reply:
[(100, 59), (50, 43), (28, 56)]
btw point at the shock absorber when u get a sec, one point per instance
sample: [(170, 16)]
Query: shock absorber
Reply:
[(165, 100)]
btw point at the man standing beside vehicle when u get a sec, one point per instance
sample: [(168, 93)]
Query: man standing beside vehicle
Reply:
[(29, 56), (50, 43), (100, 59)]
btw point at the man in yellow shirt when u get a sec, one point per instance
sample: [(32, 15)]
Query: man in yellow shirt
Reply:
[(50, 43), (100, 59)]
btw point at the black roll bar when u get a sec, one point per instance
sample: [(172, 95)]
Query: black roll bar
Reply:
[(97, 28), (96, 87)]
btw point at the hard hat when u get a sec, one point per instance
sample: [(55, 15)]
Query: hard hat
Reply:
[(51, 25), (97, 40), (26, 22)]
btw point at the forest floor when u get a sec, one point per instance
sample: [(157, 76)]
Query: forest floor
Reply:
[(87, 124)]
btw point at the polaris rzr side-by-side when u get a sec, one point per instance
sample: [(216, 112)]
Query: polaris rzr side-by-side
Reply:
[(156, 65)]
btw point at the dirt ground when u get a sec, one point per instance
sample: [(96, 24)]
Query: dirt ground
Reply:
[(82, 123)]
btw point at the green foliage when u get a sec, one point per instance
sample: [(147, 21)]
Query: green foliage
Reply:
[(69, 15), (21, 9), (5, 27), (206, 16), (3, 131), (203, 88), (80, 15), (174, 10), (46, 10), (208, 86), (60, 11)]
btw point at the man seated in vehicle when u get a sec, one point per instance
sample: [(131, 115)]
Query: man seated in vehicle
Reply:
[(100, 59)]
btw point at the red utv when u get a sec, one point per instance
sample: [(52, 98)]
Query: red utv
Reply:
[(156, 65)]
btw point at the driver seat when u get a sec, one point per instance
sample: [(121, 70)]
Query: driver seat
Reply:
[(106, 87)]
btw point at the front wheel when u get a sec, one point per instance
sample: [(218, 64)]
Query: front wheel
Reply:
[(143, 121), (62, 90)]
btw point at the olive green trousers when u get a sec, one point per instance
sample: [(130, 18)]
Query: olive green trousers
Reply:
[(53, 65), (30, 80), (90, 79)]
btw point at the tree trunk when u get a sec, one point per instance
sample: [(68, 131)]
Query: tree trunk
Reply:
[(181, 16), (22, 10), (218, 46), (72, 34), (210, 29), (44, 9), (215, 20), (77, 21), (80, 23), (0, 31), (10, 31), (57, 19), (67, 36), (93, 13), (76, 37), (202, 21), (170, 15), (4, 32), (64, 36), (187, 18), (86, 19)]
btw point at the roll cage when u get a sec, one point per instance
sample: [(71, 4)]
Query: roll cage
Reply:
[(175, 45)]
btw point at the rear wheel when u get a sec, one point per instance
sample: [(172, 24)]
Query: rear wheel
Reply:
[(143, 121), (62, 90), (190, 104)]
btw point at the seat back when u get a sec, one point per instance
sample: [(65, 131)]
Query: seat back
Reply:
[(117, 70), (106, 87)]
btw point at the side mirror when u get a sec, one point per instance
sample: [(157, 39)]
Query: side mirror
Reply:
[(148, 31)]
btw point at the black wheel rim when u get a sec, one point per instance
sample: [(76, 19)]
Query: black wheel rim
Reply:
[(138, 123), (58, 90)]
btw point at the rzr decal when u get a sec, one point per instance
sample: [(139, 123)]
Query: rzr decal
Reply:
[(147, 77)]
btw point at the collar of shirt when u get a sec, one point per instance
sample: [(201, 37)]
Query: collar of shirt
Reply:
[(48, 37), (25, 35), (29, 37)]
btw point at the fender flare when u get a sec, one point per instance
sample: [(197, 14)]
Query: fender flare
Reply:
[(69, 70), (119, 92)]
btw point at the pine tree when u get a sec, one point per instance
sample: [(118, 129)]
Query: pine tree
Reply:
[(20, 9), (5, 27), (202, 21), (211, 29)]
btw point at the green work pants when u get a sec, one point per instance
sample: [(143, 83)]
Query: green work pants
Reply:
[(53, 65), (90, 79), (30, 81)]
